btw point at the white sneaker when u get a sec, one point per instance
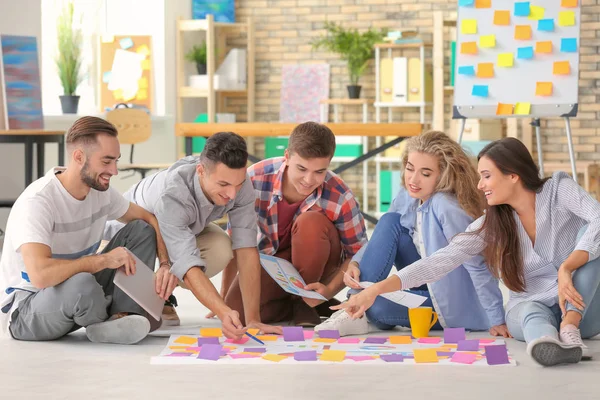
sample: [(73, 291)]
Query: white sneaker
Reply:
[(125, 330), (548, 351), (342, 322), (569, 334)]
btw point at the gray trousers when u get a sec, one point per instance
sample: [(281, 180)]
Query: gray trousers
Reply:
[(85, 299)]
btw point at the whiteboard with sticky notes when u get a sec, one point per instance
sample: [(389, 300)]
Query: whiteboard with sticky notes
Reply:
[(517, 58)]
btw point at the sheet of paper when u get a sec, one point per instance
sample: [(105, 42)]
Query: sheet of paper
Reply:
[(502, 17), (273, 357), (506, 60), (568, 45), (536, 12), (186, 340), (400, 340), (561, 68), (496, 355), (485, 70), (525, 53), (468, 27), (210, 352), (463, 358), (483, 3), (523, 32), (308, 355), (375, 340), (544, 47), (126, 70), (480, 90), (468, 48), (466, 70), (522, 9), (293, 334), (504, 109), (211, 332), (468, 345), (487, 41), (543, 89), (406, 299), (522, 108), (333, 355), (454, 335), (286, 276), (546, 25), (566, 18), (392, 357), (425, 356)]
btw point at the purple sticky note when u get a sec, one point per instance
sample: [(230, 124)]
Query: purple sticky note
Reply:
[(210, 352), (178, 355), (308, 355), (255, 350), (454, 335), (445, 353), (468, 345), (293, 334), (376, 340), (392, 357), (208, 340), (329, 334), (463, 358), (496, 355)]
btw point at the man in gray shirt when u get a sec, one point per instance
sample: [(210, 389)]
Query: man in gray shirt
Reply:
[(186, 199)]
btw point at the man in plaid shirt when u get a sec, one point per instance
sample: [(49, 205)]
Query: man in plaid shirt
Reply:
[(308, 216)]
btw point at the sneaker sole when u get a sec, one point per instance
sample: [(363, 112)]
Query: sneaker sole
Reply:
[(170, 322), (549, 354), (127, 330)]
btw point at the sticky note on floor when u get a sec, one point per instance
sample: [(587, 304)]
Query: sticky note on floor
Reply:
[(544, 47), (329, 334), (273, 357), (536, 12), (454, 335), (463, 358), (483, 3), (546, 25), (504, 109), (207, 340), (466, 70), (468, 48), (293, 334), (502, 17), (210, 352), (522, 32), (252, 331), (430, 340), (211, 332), (392, 357), (126, 43), (186, 340), (333, 355), (505, 60), (242, 340), (496, 354), (468, 345), (425, 355), (525, 53), (522, 9), (487, 41), (324, 340), (561, 68), (348, 340), (522, 108), (468, 27), (307, 355), (485, 70), (267, 338), (566, 18), (480, 90), (400, 340), (568, 3), (568, 45), (543, 89)]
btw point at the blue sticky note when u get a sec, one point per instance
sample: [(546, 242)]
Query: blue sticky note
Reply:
[(525, 53), (466, 70), (546, 25), (522, 9), (465, 2), (480, 90), (106, 76), (568, 45), (126, 43)]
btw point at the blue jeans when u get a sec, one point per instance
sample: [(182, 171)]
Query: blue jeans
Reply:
[(390, 245), (530, 320)]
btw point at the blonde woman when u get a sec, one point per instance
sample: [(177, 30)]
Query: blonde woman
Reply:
[(438, 200)]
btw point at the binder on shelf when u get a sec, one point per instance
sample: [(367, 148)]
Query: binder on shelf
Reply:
[(400, 80)]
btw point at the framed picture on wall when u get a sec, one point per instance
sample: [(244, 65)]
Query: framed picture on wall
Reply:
[(222, 10)]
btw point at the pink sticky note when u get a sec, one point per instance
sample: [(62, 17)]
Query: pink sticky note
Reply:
[(309, 334), (486, 341), (430, 340), (360, 358), (349, 340), (464, 358), (234, 356), (243, 340)]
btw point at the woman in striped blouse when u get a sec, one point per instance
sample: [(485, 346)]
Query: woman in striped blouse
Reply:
[(542, 238)]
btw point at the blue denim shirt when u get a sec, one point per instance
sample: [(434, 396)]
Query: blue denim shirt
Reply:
[(468, 296)]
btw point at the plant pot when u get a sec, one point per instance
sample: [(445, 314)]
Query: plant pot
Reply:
[(201, 69), (354, 91), (69, 104)]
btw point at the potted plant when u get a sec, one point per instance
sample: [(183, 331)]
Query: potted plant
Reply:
[(198, 55), (354, 47), (69, 58)]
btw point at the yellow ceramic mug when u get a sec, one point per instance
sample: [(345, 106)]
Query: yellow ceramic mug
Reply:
[(421, 320)]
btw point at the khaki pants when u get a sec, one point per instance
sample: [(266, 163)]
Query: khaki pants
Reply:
[(215, 249)]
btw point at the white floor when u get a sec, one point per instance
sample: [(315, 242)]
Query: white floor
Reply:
[(73, 368)]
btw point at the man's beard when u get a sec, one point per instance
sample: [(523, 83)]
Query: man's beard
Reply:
[(90, 180)]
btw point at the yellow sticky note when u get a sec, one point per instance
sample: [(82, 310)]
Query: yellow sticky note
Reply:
[(487, 41), (502, 17), (107, 39), (566, 18), (118, 94), (468, 27), (543, 47), (273, 357), (211, 332), (505, 60), (504, 109), (522, 108), (483, 3), (143, 50), (129, 94), (522, 32), (485, 70), (143, 84), (543, 89), (400, 340), (267, 338), (568, 3), (562, 68), (142, 94), (186, 340), (468, 48), (451, 345), (333, 355), (146, 65), (425, 355), (252, 331), (536, 13), (324, 340)]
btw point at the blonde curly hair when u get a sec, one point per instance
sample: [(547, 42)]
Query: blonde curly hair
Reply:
[(458, 175)]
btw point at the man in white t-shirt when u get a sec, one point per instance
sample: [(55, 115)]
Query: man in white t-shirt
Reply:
[(52, 282)]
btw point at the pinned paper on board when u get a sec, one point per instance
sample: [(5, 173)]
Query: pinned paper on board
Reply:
[(546, 25), (525, 53), (480, 90), (543, 47), (126, 68), (522, 108), (483, 3), (466, 70), (568, 45), (107, 38), (569, 3), (561, 68), (522, 9), (505, 60), (126, 43), (143, 50), (468, 48), (485, 70), (487, 41), (469, 27), (523, 32), (502, 17), (566, 18), (463, 3), (543, 89), (504, 109), (536, 12)]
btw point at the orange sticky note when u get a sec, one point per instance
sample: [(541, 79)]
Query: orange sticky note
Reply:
[(543, 89), (522, 108), (568, 3), (400, 340), (425, 355), (543, 47), (267, 338), (483, 3), (468, 27), (485, 70), (324, 340), (333, 355), (502, 17), (253, 331), (522, 32), (468, 48), (505, 60), (504, 109), (211, 332), (566, 18), (562, 68), (273, 357), (186, 340)]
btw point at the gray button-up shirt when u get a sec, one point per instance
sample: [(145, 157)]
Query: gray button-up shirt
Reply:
[(174, 195)]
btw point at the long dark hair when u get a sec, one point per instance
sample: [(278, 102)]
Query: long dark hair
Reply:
[(503, 248)]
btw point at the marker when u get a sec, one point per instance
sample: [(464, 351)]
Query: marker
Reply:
[(255, 338)]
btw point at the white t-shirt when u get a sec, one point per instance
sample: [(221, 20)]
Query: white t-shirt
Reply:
[(46, 213), (418, 235)]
